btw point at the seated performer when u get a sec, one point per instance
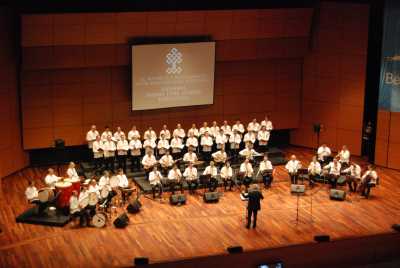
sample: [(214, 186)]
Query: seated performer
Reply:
[(238, 127), (234, 140), (74, 209), (106, 133), (263, 138), (292, 166), (97, 148), (148, 162), (206, 142), (266, 170), (133, 133), (176, 146), (250, 137), (51, 178), (123, 184), (253, 126), (122, 152), (267, 123), (323, 152), (192, 141), (150, 134), (193, 130), (155, 182), (368, 180), (179, 132), (227, 175), (204, 129), (344, 156), (91, 136), (334, 171), (220, 157), (105, 180), (94, 188), (246, 170), (314, 170), (353, 176), (214, 129), (249, 152), (190, 175), (85, 212), (163, 145), (109, 149), (166, 162), (164, 131), (212, 171), (175, 178), (71, 171), (220, 139), (135, 145), (117, 135), (226, 129), (31, 193), (190, 156), (149, 144)]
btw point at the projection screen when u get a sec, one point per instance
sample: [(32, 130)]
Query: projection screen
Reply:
[(172, 75)]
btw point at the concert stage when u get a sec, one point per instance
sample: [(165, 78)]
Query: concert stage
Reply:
[(30, 216), (163, 232)]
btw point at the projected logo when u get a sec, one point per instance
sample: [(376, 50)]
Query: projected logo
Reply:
[(174, 58)]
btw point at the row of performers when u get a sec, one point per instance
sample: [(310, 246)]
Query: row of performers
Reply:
[(333, 170)]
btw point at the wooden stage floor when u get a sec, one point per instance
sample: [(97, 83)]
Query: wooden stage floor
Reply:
[(163, 232)]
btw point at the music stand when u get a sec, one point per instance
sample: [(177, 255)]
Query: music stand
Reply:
[(297, 206), (302, 171)]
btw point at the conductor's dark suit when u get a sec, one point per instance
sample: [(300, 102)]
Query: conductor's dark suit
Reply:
[(253, 207)]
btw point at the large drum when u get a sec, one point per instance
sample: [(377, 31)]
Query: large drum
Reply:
[(76, 184), (45, 195), (64, 190)]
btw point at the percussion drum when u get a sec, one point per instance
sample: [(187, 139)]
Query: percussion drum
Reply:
[(51, 211), (93, 199), (76, 184), (99, 220), (104, 192), (84, 202), (114, 181), (45, 195), (65, 192)]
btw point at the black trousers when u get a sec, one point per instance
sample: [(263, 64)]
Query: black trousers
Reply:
[(173, 184), (193, 184), (156, 188), (293, 178), (263, 148), (98, 162), (229, 182), (122, 162), (212, 184), (206, 156), (267, 179), (333, 180), (250, 213), (135, 159), (109, 162), (352, 183), (247, 181)]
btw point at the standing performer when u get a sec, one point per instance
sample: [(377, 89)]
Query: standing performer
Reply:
[(267, 123), (135, 145), (150, 134), (214, 129), (235, 139), (106, 133), (71, 171), (91, 136), (204, 129), (266, 171), (353, 176), (253, 126), (155, 182), (220, 139), (122, 152), (109, 149), (238, 127), (368, 180), (148, 162), (247, 170), (250, 137), (192, 141), (213, 172), (206, 143), (193, 130), (263, 138), (334, 171), (314, 170), (51, 178), (118, 134), (292, 166), (227, 175), (164, 131), (190, 175), (133, 133), (227, 129), (163, 145), (175, 178), (176, 146), (253, 205), (97, 149), (179, 132)]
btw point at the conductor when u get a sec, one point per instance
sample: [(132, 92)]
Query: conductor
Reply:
[(253, 205)]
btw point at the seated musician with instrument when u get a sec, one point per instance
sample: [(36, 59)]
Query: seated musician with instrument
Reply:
[(175, 178), (292, 167), (206, 142), (353, 176), (135, 145), (190, 175), (344, 157), (97, 149), (220, 157), (94, 188), (164, 131), (266, 170), (323, 153), (85, 209), (123, 185), (166, 162), (368, 180), (192, 141), (31, 193), (163, 145), (227, 175), (249, 152), (74, 209), (176, 146), (155, 182), (51, 178), (246, 173), (212, 171), (334, 171), (314, 170), (263, 138), (190, 156), (104, 183), (148, 161)]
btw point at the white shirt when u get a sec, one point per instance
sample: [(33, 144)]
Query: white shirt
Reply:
[(109, 148), (292, 166), (50, 180), (150, 135), (73, 204), (91, 137), (149, 160), (323, 152), (166, 160), (193, 131), (344, 156), (71, 173), (105, 134), (220, 139), (31, 193), (263, 137), (180, 132), (176, 145), (246, 152), (104, 181), (133, 133), (227, 129), (117, 135), (214, 130), (213, 171), (219, 156), (190, 173), (163, 144), (190, 157), (155, 177), (265, 165), (206, 142), (238, 127), (174, 174), (253, 126), (333, 169), (267, 124), (204, 130), (167, 134), (122, 147), (149, 143), (192, 141), (94, 189), (123, 181), (355, 171), (249, 137), (135, 146), (372, 174), (235, 140), (226, 172), (247, 169), (83, 194), (314, 168), (97, 148)]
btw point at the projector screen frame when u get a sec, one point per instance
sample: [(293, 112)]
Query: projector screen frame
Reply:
[(160, 41)]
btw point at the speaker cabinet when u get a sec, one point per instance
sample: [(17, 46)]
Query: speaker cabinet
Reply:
[(337, 195), (177, 199), (134, 207), (141, 261), (322, 238), (121, 221), (235, 249), (211, 197)]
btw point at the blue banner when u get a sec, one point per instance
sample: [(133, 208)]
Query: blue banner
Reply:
[(389, 88)]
